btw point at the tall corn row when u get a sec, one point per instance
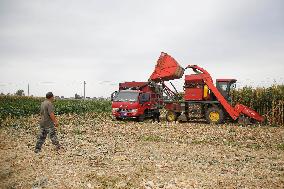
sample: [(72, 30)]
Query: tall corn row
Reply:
[(269, 102), (16, 106)]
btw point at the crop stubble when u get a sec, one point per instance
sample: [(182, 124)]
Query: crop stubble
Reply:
[(101, 153)]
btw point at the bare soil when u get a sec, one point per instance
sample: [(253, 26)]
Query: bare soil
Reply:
[(102, 153)]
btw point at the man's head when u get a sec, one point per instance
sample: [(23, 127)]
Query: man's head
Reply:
[(49, 96)]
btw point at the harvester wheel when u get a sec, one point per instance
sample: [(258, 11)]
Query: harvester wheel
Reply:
[(214, 115), (171, 116)]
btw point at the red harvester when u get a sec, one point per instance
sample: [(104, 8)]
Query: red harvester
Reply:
[(213, 102)]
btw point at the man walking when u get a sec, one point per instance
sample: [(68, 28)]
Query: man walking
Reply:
[(47, 124)]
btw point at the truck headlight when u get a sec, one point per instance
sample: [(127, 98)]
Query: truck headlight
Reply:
[(115, 109), (134, 110)]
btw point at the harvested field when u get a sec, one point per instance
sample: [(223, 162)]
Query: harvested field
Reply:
[(101, 153)]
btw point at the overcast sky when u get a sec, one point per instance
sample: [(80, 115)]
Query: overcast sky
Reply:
[(56, 45)]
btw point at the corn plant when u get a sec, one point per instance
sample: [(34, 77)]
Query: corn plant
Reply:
[(17, 106), (269, 102)]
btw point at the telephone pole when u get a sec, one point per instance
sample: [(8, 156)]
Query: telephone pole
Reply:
[(28, 89), (84, 89)]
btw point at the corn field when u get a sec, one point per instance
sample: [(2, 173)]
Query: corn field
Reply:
[(18, 106), (269, 102)]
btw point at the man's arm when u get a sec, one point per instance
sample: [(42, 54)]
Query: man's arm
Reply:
[(50, 110), (52, 117)]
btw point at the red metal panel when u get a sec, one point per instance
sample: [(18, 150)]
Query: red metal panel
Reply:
[(193, 94), (194, 78), (176, 107)]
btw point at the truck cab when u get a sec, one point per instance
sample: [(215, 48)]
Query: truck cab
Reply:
[(134, 100)]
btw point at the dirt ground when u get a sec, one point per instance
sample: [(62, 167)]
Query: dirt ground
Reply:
[(101, 153)]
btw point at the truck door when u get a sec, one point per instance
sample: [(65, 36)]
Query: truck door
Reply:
[(144, 97)]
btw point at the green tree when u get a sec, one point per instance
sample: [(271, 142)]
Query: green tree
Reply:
[(20, 92), (77, 96)]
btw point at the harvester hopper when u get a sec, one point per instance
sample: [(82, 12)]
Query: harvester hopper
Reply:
[(166, 69)]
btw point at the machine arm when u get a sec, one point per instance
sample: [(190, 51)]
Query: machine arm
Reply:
[(199, 70)]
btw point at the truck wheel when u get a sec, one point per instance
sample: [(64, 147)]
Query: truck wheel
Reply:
[(118, 118), (214, 115), (171, 116), (141, 118)]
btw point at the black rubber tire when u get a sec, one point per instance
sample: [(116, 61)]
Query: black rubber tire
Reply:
[(214, 115), (118, 118), (178, 114), (141, 118), (171, 116), (156, 115)]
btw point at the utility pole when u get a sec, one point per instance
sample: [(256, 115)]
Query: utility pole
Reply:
[(28, 89), (84, 89)]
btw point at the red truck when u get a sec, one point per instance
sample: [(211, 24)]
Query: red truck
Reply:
[(137, 100)]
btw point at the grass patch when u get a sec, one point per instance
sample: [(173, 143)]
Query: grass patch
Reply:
[(230, 143), (254, 146), (198, 141), (115, 181), (77, 131), (150, 138), (280, 146)]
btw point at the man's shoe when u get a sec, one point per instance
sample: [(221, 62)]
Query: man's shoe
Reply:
[(37, 150), (59, 147)]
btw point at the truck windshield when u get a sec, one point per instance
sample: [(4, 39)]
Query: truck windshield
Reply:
[(126, 96)]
